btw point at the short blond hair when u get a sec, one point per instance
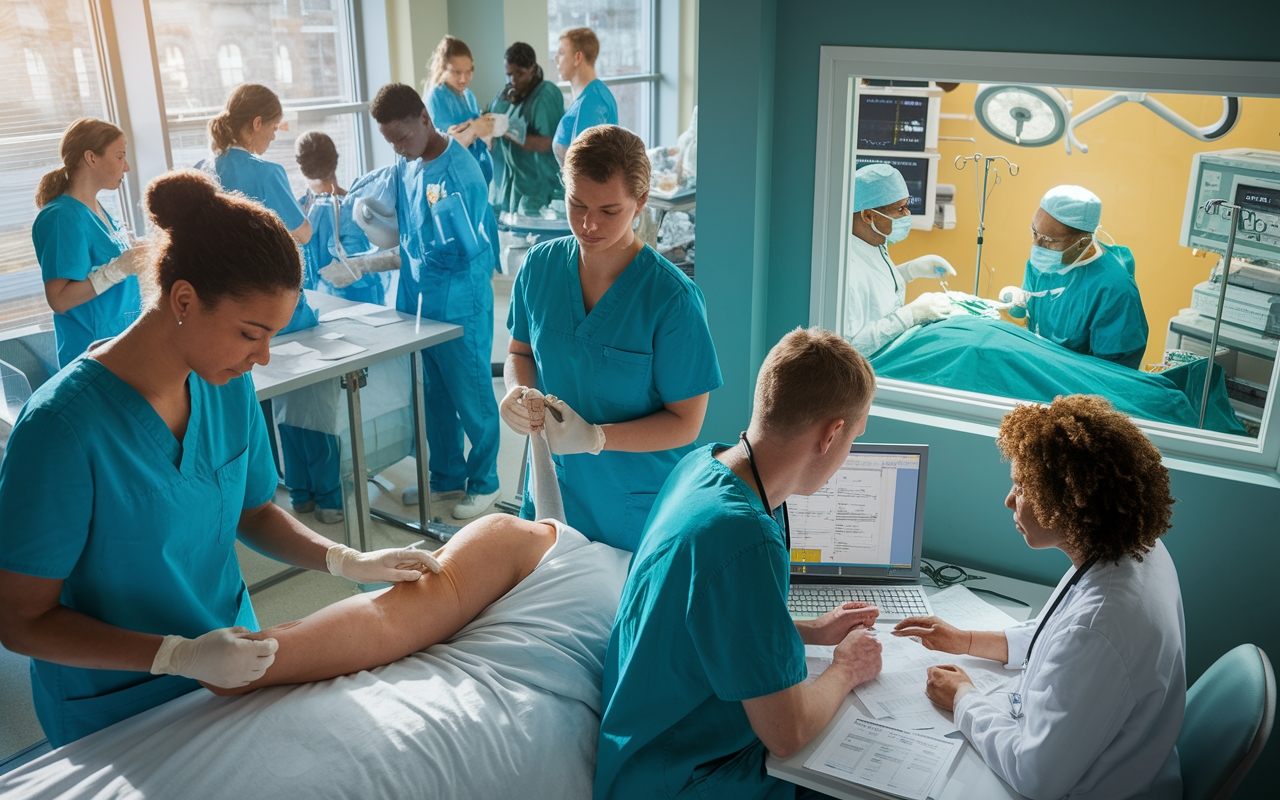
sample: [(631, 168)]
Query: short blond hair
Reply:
[(812, 376), (583, 40), (602, 151)]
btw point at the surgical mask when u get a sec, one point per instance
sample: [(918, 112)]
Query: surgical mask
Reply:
[(1050, 261), (901, 227)]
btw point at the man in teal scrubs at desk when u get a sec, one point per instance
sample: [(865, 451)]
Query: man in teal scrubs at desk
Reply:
[(705, 668)]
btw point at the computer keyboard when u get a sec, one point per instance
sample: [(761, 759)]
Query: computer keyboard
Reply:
[(894, 602)]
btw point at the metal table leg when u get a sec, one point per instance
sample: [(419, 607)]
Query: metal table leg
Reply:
[(352, 382), (420, 439)]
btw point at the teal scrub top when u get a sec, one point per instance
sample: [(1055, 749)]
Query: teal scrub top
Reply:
[(453, 288), (1099, 311), (645, 343), (95, 491), (262, 180), (702, 626), (594, 106), (320, 251), (530, 181), (448, 108), (70, 241)]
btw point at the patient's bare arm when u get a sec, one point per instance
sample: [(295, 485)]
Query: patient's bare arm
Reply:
[(484, 561)]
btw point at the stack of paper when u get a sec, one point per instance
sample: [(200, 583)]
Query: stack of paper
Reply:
[(887, 759)]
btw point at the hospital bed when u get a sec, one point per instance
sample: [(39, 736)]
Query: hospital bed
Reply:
[(509, 707), (992, 357)]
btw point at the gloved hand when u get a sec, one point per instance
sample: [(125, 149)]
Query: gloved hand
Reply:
[(379, 566), (574, 434), (516, 412), (1016, 295), (929, 307), (501, 124), (223, 658), (130, 262), (926, 267), (345, 273)]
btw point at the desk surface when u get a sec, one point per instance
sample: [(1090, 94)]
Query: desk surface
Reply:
[(381, 343), (969, 777)]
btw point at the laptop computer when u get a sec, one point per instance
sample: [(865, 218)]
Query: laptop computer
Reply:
[(859, 537)]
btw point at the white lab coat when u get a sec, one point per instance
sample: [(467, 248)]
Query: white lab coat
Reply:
[(1103, 693), (874, 295)]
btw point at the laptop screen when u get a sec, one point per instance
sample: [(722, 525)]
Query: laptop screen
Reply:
[(867, 522)]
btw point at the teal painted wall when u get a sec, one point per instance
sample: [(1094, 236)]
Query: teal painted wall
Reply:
[(755, 218)]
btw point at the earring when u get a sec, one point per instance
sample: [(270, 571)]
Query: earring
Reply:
[(179, 322)]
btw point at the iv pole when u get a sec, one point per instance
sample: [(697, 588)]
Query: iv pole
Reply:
[(982, 213), (1231, 213)]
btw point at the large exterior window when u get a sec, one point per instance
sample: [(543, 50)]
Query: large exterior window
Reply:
[(50, 75), (626, 62)]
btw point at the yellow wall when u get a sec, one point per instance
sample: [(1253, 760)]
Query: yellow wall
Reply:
[(1137, 163)]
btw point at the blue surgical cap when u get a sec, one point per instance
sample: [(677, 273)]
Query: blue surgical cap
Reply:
[(876, 186), (1073, 206)]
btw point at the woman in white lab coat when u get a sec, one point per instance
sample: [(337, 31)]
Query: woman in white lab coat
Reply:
[(1103, 683), (875, 293)]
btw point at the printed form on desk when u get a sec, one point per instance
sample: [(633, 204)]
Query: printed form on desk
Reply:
[(884, 758)]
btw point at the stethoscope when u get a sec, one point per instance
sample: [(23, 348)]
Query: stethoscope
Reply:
[(764, 497), (1044, 619)]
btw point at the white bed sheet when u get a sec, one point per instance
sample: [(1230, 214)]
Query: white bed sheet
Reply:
[(510, 707)]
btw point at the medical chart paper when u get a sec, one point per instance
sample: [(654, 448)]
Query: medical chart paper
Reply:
[(967, 611), (881, 757)]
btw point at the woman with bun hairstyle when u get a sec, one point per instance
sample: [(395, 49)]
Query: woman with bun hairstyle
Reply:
[(452, 106), (84, 254), (127, 591)]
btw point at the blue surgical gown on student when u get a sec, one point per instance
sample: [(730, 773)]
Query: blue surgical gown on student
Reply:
[(595, 106), (1098, 312), (71, 240), (459, 372), (448, 108), (645, 343), (319, 251), (702, 626), (96, 492)]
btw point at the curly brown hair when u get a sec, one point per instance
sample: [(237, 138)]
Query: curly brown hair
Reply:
[(1089, 473)]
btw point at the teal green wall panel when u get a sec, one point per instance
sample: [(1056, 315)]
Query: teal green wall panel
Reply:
[(479, 23)]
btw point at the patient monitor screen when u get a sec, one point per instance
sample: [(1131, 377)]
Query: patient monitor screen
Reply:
[(864, 517), (892, 122)]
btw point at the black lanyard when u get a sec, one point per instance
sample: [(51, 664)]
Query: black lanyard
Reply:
[(764, 498), (1074, 580)]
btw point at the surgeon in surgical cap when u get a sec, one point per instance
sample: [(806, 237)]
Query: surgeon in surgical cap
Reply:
[(1076, 291), (875, 307)]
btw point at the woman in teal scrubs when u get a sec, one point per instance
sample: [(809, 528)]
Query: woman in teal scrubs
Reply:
[(619, 336), (130, 473), (452, 106), (84, 254), (530, 173)]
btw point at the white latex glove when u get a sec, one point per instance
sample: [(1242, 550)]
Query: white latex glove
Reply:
[(379, 566), (572, 434), (926, 267), (514, 410), (223, 658), (130, 262), (929, 307), (345, 273), (501, 124), (1016, 295)]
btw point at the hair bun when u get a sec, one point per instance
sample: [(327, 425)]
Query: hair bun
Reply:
[(180, 196)]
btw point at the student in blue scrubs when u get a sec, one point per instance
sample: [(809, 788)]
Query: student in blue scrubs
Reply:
[(1076, 291), (126, 590), (593, 103), (619, 336), (705, 668), (440, 191), (85, 257), (452, 106)]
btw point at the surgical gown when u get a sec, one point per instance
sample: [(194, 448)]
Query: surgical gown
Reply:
[(96, 492), (448, 108), (645, 343), (453, 288), (70, 241), (1098, 311), (320, 251), (874, 296), (594, 106), (1102, 695), (702, 625), (530, 181)]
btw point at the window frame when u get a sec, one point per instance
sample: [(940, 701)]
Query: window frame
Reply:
[(832, 193)]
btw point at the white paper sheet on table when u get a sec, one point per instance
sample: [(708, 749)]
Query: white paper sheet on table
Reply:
[(967, 611), (377, 320), (357, 310), (292, 349), (885, 758)]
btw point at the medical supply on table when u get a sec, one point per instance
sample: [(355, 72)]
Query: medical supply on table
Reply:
[(571, 434), (674, 170), (885, 758), (984, 186), (224, 658), (379, 566)]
